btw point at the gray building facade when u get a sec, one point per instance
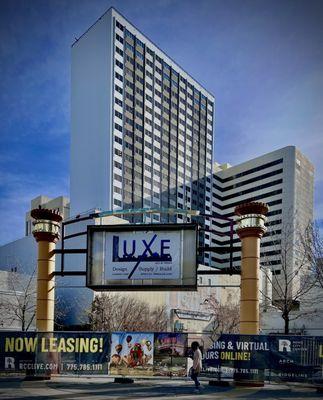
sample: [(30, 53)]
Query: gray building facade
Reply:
[(284, 179)]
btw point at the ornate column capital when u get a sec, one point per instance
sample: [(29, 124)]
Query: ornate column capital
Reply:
[(46, 224), (251, 219)]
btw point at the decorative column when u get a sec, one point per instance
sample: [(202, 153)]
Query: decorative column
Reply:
[(251, 227), (46, 233)]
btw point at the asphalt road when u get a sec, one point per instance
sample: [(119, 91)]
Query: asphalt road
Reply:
[(62, 388)]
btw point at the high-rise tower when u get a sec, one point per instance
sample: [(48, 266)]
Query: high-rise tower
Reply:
[(142, 127)]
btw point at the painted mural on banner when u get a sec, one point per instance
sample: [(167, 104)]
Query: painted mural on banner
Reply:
[(27, 352), (276, 358), (143, 255), (132, 353), (170, 354)]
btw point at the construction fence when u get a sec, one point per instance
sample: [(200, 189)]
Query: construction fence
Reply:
[(163, 354)]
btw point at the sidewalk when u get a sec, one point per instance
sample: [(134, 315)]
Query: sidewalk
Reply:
[(105, 388)]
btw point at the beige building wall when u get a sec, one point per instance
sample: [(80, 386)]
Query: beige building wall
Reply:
[(229, 289), (60, 203)]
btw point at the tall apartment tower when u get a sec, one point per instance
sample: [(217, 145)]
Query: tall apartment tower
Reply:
[(284, 179), (142, 127)]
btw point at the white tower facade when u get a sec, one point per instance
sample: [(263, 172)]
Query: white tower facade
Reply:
[(142, 128)]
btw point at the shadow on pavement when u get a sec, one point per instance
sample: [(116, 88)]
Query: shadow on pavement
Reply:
[(59, 390)]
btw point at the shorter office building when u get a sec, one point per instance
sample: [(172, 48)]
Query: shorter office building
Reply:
[(21, 254), (61, 203), (284, 179)]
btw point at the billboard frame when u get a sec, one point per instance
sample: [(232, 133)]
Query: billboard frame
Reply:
[(141, 227)]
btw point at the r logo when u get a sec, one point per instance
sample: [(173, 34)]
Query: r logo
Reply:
[(9, 363), (284, 345)]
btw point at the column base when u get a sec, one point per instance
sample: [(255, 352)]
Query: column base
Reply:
[(37, 378), (123, 380), (247, 383), (250, 380), (220, 383)]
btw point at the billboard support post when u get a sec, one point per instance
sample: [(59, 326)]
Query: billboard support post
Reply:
[(46, 233), (251, 227)]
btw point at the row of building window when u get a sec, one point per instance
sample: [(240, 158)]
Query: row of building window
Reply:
[(248, 181), (167, 69), (269, 203), (166, 77), (234, 259), (249, 171), (247, 191), (261, 197)]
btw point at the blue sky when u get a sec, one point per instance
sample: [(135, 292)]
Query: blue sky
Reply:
[(263, 61)]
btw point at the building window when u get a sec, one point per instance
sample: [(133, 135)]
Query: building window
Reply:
[(117, 177), (139, 55), (119, 38), (118, 114), (130, 35), (120, 77), (119, 64), (118, 140), (118, 127), (119, 51), (129, 47), (117, 165), (119, 25), (118, 89), (119, 102)]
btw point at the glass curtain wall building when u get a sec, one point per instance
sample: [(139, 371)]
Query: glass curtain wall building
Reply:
[(142, 128)]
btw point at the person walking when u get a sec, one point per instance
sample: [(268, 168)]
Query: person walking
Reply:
[(197, 364)]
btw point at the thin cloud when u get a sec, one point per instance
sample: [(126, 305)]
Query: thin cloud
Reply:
[(262, 60)]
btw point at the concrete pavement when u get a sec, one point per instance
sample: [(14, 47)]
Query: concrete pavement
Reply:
[(61, 388)]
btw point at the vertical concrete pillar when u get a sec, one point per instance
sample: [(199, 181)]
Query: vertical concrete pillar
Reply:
[(251, 227), (46, 233)]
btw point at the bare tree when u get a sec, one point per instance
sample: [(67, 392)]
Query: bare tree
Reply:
[(62, 309), (120, 313), (292, 281), (225, 317), (18, 304), (313, 242)]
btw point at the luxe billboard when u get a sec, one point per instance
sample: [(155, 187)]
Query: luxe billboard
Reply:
[(142, 257)]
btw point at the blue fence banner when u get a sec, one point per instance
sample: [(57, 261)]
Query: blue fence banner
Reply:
[(296, 358), (241, 357), (58, 352), (274, 358)]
